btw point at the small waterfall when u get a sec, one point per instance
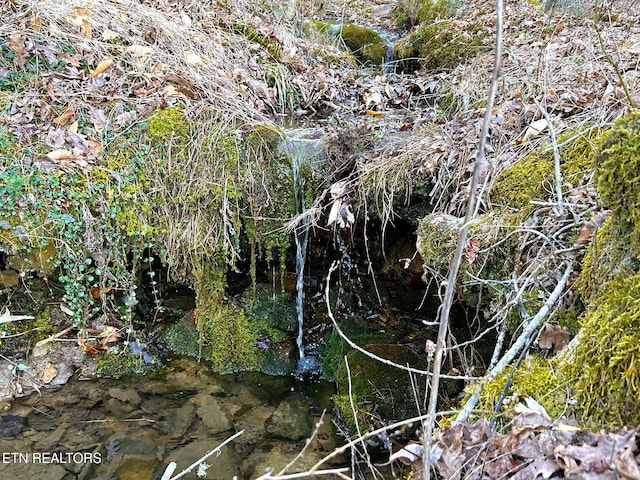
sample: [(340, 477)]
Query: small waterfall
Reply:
[(303, 147)]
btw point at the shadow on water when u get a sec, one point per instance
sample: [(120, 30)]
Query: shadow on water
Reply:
[(132, 428)]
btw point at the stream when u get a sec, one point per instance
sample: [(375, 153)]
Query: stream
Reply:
[(130, 429)]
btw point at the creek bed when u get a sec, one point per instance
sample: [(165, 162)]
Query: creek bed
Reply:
[(132, 428)]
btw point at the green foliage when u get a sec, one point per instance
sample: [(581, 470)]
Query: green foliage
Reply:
[(604, 363), (118, 364), (617, 179), (182, 338), (439, 46)]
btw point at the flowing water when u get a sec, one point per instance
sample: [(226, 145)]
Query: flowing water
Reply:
[(304, 147)]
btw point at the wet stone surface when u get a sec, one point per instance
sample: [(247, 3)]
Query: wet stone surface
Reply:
[(132, 428)]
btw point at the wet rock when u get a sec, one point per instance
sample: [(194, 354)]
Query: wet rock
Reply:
[(180, 419), (11, 425), (136, 467), (224, 466), (212, 414), (254, 423), (41, 471), (290, 420), (125, 395)]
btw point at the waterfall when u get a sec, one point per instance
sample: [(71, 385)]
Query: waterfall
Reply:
[(303, 147)]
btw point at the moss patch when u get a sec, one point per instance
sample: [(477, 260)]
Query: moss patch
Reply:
[(535, 378), (605, 362), (440, 45), (617, 178)]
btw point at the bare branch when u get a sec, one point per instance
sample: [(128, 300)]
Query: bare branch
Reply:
[(478, 169), (522, 340)]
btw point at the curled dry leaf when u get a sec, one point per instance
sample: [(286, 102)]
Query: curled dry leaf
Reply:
[(64, 117), (102, 66), (590, 227)]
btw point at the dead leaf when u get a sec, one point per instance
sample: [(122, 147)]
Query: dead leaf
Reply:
[(60, 154), (375, 114), (590, 227), (17, 44), (472, 248), (553, 338), (63, 118), (102, 66), (407, 454), (535, 129)]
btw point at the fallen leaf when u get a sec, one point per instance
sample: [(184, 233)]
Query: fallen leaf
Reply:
[(60, 154), (553, 338), (375, 114), (102, 66), (590, 227), (535, 129), (407, 454), (63, 118), (472, 248)]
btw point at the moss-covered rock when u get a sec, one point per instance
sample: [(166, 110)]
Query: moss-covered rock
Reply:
[(413, 12), (604, 365), (376, 386), (365, 43), (532, 177), (617, 179), (536, 378), (439, 46)]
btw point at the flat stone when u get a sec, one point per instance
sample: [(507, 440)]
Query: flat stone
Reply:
[(212, 414), (290, 420)]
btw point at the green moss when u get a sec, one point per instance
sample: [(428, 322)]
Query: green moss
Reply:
[(266, 41), (607, 257), (529, 179), (374, 383), (123, 364), (536, 378), (182, 338), (439, 46), (364, 43), (222, 325), (168, 123), (617, 178), (604, 364), (412, 12)]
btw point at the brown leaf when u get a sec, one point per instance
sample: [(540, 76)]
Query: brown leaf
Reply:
[(64, 117), (553, 337), (102, 66), (472, 248), (60, 154), (590, 227), (17, 44)]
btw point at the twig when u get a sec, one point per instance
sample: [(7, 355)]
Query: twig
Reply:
[(556, 156), (373, 356), (518, 345), (198, 462), (462, 240)]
